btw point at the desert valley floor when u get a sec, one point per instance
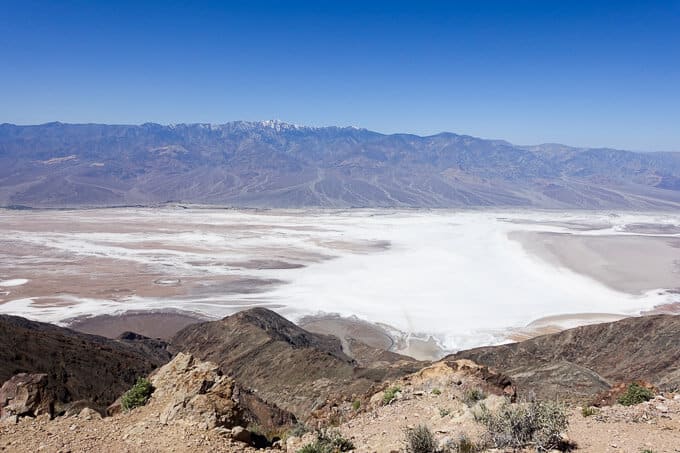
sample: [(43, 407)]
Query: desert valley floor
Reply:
[(417, 281)]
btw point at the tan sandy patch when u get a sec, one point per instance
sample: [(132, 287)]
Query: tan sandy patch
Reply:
[(152, 324), (632, 264)]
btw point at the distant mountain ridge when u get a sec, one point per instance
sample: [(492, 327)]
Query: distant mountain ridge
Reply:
[(276, 164)]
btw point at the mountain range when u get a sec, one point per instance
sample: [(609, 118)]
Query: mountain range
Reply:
[(273, 164)]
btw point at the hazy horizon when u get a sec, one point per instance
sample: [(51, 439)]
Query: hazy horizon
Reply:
[(586, 75), (461, 133)]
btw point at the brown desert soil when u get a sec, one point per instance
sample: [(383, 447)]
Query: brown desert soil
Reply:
[(128, 432)]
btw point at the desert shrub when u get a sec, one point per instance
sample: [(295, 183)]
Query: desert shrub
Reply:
[(635, 394), (390, 394), (471, 396), (420, 440), (315, 447), (463, 445), (538, 424), (138, 395), (328, 441), (436, 392), (356, 404), (444, 412), (587, 411), (298, 430)]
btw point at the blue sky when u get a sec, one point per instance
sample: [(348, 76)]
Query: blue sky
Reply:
[(588, 73)]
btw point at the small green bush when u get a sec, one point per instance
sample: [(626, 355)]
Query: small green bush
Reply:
[(328, 441), (471, 396), (444, 412), (587, 411), (390, 394), (138, 395), (356, 405), (436, 392), (420, 440), (635, 394)]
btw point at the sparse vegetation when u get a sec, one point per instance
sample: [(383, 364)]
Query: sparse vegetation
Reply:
[(472, 396), (420, 440), (635, 394), (138, 395), (298, 430), (539, 424), (328, 441), (315, 447), (463, 445), (444, 412), (390, 394), (436, 392), (356, 404), (588, 411)]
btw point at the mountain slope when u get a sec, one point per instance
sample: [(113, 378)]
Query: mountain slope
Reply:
[(297, 370), (274, 164), (578, 363), (79, 366)]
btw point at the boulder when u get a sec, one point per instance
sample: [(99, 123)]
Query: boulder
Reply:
[(194, 392), (75, 408), (241, 434), (89, 414), (25, 395), (115, 408)]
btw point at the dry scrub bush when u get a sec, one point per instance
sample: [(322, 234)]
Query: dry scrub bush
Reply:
[(420, 440), (537, 424)]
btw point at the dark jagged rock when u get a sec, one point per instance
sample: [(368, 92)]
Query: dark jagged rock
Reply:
[(579, 363), (282, 363), (78, 366)]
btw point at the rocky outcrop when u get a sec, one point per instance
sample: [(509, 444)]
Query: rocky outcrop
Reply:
[(577, 364), (284, 364), (79, 367), (196, 393), (25, 395)]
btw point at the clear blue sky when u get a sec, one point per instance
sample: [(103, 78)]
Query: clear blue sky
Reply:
[(577, 72)]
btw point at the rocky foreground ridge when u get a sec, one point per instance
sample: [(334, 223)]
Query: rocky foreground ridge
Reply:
[(256, 381)]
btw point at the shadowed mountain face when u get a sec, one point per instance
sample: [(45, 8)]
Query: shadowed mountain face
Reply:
[(273, 164), (79, 366), (579, 363)]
